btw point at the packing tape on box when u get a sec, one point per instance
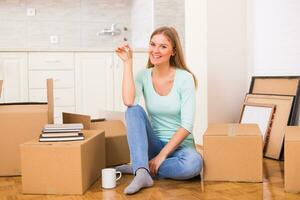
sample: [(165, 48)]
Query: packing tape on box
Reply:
[(232, 129)]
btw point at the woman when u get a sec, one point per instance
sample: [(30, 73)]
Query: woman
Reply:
[(162, 146)]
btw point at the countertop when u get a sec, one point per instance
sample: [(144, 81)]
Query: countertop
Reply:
[(65, 50)]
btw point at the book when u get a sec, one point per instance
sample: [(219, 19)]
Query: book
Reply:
[(60, 130), (60, 134), (71, 126), (61, 139)]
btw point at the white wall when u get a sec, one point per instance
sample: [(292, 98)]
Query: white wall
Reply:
[(195, 48), (216, 44), (276, 37), (75, 23), (141, 22), (226, 59), (228, 41), (170, 13), (274, 31)]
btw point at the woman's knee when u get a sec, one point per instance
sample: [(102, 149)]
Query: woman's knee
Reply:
[(134, 110), (192, 164), (134, 113)]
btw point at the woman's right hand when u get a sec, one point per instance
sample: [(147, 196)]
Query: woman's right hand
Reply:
[(124, 52)]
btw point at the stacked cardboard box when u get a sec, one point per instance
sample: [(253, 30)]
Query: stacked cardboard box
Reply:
[(116, 145), (292, 159), (233, 152), (20, 122), (62, 167)]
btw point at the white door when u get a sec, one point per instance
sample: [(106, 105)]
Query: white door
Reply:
[(94, 82), (13, 72), (118, 77)]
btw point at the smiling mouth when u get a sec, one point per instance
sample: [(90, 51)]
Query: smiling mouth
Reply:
[(156, 57)]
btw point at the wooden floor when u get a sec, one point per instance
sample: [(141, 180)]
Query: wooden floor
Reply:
[(271, 188)]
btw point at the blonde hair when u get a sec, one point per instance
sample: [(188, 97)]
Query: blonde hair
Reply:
[(176, 60)]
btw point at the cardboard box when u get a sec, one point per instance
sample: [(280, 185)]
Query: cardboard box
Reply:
[(292, 159), (116, 145), (233, 152), (20, 122), (62, 167)]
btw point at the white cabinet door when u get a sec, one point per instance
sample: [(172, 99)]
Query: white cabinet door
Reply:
[(118, 77), (60, 67), (13, 72), (94, 83), (139, 62)]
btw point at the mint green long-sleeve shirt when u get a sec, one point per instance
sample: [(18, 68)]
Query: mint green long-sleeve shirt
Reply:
[(168, 113)]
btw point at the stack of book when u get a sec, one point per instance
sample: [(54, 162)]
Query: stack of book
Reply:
[(61, 132)]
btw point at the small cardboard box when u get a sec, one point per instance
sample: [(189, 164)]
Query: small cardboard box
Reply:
[(62, 167), (116, 145), (292, 159), (233, 152), (20, 122)]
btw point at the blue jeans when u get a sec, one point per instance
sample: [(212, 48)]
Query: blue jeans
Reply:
[(183, 163)]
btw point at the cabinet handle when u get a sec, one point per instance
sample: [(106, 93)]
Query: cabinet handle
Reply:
[(52, 61)]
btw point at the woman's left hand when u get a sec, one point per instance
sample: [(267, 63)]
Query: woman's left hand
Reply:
[(155, 163)]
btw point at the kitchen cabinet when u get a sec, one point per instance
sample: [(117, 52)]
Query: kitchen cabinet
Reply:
[(60, 67), (94, 82), (99, 81), (84, 82), (13, 72)]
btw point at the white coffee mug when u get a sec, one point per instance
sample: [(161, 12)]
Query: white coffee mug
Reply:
[(109, 177)]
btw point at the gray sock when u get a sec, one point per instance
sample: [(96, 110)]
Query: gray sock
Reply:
[(141, 180), (125, 169)]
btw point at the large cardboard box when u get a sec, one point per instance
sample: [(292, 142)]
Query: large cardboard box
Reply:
[(233, 152), (62, 167), (116, 145), (20, 122), (292, 159)]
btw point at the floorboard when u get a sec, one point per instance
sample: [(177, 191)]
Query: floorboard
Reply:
[(271, 188)]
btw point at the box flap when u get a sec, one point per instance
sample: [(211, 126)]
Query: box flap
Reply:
[(50, 99), (223, 129), (112, 127), (23, 103), (77, 118), (22, 108), (113, 115), (292, 133), (275, 85)]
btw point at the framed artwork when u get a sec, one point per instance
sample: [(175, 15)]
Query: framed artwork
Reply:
[(260, 114), (283, 105), (279, 85)]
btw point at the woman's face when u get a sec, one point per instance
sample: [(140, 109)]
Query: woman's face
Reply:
[(160, 50)]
